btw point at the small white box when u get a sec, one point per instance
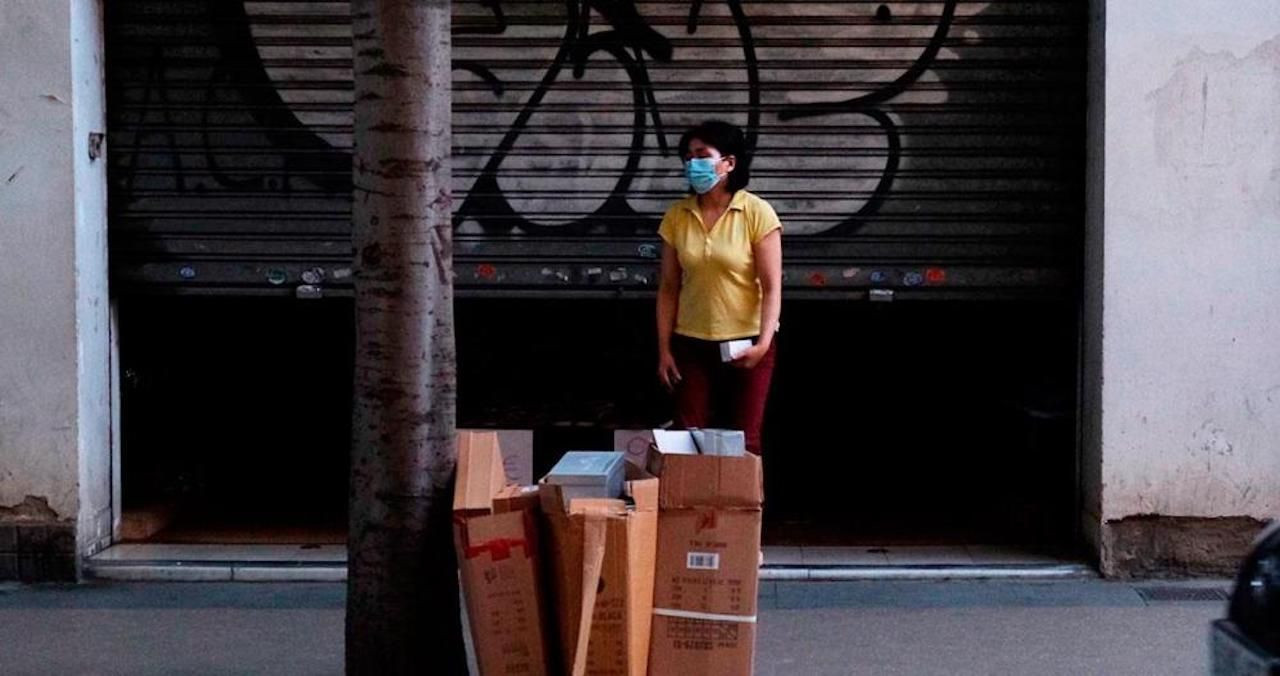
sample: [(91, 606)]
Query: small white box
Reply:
[(719, 442), (732, 349), (669, 442), (588, 474), (679, 442)]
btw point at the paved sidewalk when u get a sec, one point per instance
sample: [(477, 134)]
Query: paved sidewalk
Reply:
[(1062, 627)]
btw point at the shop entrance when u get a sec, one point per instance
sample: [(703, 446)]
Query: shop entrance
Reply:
[(889, 424), (235, 416), (925, 153)]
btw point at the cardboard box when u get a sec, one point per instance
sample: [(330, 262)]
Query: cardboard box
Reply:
[(708, 565), (601, 554), (496, 536), (666, 443)]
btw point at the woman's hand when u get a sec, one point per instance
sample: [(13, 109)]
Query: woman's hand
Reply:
[(751, 358), (668, 374)]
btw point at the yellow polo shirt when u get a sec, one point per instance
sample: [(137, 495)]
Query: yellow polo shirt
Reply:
[(719, 289)]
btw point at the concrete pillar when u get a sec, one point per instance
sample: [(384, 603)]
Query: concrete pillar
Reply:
[(55, 404), (1182, 363)]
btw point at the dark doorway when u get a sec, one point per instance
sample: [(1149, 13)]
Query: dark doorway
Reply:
[(924, 423), (902, 423), (235, 418)]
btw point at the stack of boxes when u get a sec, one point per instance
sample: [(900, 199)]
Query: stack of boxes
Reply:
[(602, 518), (709, 517), (651, 566)]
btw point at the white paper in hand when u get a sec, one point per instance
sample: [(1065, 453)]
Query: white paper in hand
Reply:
[(732, 349)]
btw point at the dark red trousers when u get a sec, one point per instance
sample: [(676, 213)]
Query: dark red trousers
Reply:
[(716, 394)]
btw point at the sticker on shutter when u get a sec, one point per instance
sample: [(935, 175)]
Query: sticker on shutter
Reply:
[(702, 561)]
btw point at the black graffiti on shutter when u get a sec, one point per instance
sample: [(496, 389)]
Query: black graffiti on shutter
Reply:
[(155, 99), (239, 75), (868, 103), (628, 39), (325, 166), (474, 67)]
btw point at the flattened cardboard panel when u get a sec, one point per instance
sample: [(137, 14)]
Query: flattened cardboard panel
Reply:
[(480, 475), (621, 618), (608, 650), (497, 557), (642, 554)]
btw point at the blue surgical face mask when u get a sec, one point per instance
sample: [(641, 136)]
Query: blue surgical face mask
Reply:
[(701, 173)]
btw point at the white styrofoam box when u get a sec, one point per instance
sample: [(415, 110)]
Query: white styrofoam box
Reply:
[(589, 474), (679, 442), (720, 442)]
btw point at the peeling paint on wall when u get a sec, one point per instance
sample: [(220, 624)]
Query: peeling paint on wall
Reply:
[(1210, 441), (1150, 545), (31, 509), (1215, 115)]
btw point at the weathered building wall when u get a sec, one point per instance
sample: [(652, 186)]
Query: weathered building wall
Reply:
[(1190, 269), (54, 408)]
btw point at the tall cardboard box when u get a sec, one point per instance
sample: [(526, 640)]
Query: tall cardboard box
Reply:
[(708, 565), (496, 536), (601, 554)]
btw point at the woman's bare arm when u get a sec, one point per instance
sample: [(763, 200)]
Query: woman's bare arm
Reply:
[(668, 305), (768, 252)]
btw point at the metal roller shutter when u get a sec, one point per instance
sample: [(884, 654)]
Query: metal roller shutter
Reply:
[(935, 148)]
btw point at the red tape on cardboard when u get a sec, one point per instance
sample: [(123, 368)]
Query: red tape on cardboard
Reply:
[(500, 548)]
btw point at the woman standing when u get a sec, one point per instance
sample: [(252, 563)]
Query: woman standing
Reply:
[(721, 280)]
